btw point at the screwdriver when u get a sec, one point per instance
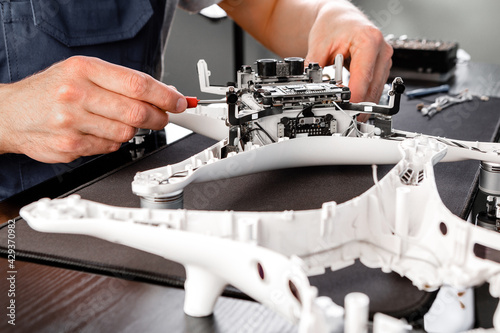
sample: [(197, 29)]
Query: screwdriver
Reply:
[(427, 91), (193, 102)]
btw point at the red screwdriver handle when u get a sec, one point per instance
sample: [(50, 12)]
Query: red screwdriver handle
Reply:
[(192, 102)]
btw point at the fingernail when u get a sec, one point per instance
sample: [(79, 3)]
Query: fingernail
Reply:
[(181, 105)]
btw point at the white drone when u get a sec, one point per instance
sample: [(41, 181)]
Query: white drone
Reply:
[(281, 117)]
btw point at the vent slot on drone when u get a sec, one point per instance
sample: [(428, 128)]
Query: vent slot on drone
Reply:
[(485, 252), (410, 177)]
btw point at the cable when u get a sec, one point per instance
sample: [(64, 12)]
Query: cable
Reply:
[(308, 109), (296, 121), (353, 125), (374, 174), (263, 130)]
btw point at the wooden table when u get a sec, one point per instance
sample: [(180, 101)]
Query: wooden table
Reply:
[(51, 299)]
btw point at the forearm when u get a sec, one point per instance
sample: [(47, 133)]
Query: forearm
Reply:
[(5, 126), (283, 26)]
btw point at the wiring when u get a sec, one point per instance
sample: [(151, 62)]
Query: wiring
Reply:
[(352, 127), (307, 112), (265, 132)]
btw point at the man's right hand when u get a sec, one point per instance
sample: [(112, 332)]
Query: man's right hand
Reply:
[(80, 107)]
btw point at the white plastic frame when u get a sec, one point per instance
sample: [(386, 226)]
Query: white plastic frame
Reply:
[(396, 225), (400, 224)]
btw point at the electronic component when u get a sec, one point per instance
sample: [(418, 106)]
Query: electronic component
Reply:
[(278, 86), (489, 187), (288, 100), (423, 59), (311, 126), (490, 217), (282, 99), (295, 95)]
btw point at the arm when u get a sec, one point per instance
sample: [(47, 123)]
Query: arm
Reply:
[(80, 107), (318, 30)]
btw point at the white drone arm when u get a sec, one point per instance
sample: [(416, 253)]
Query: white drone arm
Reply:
[(309, 151), (209, 164), (211, 263), (205, 120)]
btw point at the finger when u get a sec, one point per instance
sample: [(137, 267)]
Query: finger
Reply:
[(369, 67), (320, 57), (362, 69), (107, 129), (70, 147), (79, 144), (123, 109), (317, 54), (135, 85), (380, 77)]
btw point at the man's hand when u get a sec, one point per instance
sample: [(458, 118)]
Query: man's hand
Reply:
[(360, 42), (80, 107)]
